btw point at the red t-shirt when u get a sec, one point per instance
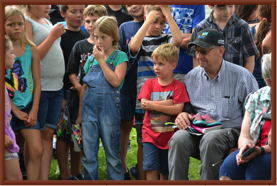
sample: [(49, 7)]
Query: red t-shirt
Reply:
[(152, 90)]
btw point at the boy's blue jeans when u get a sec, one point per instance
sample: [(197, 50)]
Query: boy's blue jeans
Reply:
[(101, 119)]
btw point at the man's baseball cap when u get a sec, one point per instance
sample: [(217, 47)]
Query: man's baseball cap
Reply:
[(208, 38)]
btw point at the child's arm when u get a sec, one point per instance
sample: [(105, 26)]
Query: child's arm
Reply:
[(74, 81), (171, 110), (113, 77), (186, 40), (45, 46), (32, 116), (249, 63), (8, 141), (175, 31), (167, 102), (82, 94), (138, 38)]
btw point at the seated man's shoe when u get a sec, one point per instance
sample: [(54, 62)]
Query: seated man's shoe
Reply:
[(71, 178), (134, 171)]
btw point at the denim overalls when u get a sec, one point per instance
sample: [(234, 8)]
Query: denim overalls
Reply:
[(101, 119)]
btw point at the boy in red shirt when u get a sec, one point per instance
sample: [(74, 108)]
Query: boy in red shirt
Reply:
[(162, 98)]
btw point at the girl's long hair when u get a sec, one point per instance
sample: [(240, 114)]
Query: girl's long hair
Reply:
[(9, 10), (264, 14), (108, 25)]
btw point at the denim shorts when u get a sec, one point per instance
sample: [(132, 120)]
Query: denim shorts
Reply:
[(50, 106), (18, 124), (128, 105), (139, 116), (155, 158)]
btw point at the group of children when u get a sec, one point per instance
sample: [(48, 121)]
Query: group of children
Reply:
[(63, 65)]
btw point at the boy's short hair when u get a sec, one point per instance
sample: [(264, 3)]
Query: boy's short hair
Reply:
[(100, 10), (64, 8), (149, 8), (219, 5), (167, 52)]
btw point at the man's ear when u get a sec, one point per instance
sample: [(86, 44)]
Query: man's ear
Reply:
[(221, 50), (211, 6)]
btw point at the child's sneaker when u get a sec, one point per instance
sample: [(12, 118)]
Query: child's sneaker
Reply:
[(197, 119), (210, 121)]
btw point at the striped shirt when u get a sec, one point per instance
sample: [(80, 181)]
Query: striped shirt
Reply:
[(145, 63), (239, 42), (222, 97)]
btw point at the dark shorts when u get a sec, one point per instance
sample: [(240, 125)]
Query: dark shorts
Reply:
[(18, 124), (127, 105), (155, 158)]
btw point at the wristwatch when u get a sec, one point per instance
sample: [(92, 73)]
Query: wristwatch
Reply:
[(262, 151)]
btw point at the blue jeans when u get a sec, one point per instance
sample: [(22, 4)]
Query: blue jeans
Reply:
[(258, 168), (50, 106)]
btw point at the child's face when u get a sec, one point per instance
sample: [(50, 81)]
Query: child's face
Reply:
[(74, 16), (223, 13), (135, 10), (162, 68), (9, 57), (14, 27), (156, 28), (102, 40), (40, 11), (89, 22)]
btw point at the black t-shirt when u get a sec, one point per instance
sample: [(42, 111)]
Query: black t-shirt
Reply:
[(121, 17), (78, 57), (68, 39)]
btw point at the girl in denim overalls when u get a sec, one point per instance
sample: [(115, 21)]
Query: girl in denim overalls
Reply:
[(99, 108)]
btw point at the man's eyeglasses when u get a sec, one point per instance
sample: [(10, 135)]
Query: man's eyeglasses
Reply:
[(202, 52)]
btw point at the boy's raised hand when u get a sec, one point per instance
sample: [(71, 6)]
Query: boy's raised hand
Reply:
[(165, 10), (98, 53), (152, 16)]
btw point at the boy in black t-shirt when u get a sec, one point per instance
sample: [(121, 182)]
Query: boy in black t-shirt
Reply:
[(73, 15)]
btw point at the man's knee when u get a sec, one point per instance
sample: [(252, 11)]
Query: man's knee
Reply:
[(179, 138)]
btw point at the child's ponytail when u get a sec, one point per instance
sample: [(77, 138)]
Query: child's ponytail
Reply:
[(264, 14)]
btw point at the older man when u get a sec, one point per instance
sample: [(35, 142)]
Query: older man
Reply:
[(216, 87)]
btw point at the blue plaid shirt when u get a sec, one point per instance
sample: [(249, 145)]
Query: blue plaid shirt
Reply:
[(222, 97), (239, 42)]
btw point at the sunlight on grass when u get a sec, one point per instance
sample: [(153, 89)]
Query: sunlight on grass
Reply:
[(194, 169)]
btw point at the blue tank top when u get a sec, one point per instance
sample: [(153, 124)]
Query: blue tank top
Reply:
[(19, 80)]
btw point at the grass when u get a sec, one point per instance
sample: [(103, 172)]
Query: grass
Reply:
[(194, 167)]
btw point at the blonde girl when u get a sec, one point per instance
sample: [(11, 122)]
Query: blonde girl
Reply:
[(23, 84), (104, 78), (47, 38), (12, 170)]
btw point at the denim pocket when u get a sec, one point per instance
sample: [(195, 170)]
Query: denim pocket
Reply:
[(115, 141)]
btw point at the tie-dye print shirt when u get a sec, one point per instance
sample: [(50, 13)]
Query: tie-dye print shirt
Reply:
[(8, 130)]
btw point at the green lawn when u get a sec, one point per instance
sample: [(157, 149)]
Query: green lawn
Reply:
[(131, 161)]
